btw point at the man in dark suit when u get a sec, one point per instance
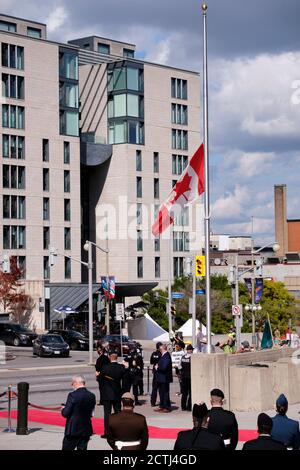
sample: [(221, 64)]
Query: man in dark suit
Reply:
[(199, 438), (112, 388), (264, 440), (222, 422), (164, 376), (284, 429), (128, 430), (102, 361), (155, 356), (78, 411)]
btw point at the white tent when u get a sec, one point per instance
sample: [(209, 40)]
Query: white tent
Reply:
[(145, 328), (187, 328), (164, 338)]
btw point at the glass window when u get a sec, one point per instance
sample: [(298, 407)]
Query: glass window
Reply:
[(68, 65), (67, 210), (157, 244), (139, 187), (21, 148), (138, 160), (34, 32), (68, 95), (13, 117), (6, 237), (156, 162), (13, 177), (128, 53), (135, 132), (120, 133), (119, 79), (156, 188), (46, 238), (14, 207), (20, 58), (140, 269), (119, 105), (67, 238), (157, 266), (45, 150), (6, 207), (5, 55), (66, 152), (103, 48), (5, 146), (21, 117), (5, 115), (21, 177), (13, 146), (173, 87), (133, 106), (5, 177), (69, 123), (20, 88), (139, 241), (46, 267), (13, 86), (139, 214), (22, 238), (5, 85), (12, 57), (66, 181), (46, 178), (7, 26), (21, 207), (46, 208), (67, 268), (133, 80)]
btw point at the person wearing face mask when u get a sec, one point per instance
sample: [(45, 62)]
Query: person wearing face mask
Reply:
[(78, 411)]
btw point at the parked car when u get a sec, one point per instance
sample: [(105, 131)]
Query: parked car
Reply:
[(75, 340), (16, 335), (128, 345), (50, 345)]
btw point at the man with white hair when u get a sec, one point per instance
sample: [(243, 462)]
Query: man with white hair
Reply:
[(78, 411)]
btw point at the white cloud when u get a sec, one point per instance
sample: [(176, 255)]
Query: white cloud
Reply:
[(56, 19)]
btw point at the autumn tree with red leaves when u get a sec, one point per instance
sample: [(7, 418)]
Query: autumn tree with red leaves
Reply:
[(13, 299)]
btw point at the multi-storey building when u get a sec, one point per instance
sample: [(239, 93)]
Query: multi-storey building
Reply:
[(92, 141)]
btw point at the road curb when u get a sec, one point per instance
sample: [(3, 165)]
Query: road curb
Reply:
[(46, 368)]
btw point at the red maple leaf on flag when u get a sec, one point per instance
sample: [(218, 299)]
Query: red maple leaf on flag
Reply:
[(182, 187)]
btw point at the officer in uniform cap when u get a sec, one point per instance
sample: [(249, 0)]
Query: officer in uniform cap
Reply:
[(222, 422), (127, 430), (284, 429), (186, 399), (199, 438)]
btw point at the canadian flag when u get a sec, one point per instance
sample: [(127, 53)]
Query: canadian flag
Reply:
[(187, 189)]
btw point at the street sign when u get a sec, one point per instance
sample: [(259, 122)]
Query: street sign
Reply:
[(177, 295), (237, 310), (200, 291), (120, 311)]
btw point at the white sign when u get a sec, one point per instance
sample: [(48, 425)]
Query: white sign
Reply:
[(120, 310), (237, 309)]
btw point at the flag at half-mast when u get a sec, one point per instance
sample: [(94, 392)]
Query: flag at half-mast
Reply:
[(187, 189)]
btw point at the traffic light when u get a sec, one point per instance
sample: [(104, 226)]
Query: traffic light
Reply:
[(200, 266), (173, 310)]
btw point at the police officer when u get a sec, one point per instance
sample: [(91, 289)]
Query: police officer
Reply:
[(137, 367), (103, 360), (155, 356), (186, 399), (284, 429), (222, 422)]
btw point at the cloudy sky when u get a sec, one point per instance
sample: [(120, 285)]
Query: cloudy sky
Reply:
[(254, 73)]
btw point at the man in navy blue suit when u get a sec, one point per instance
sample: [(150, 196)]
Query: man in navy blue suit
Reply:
[(284, 429), (78, 411), (164, 376)]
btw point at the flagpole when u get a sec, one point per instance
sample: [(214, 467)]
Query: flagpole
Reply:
[(170, 282), (206, 174)]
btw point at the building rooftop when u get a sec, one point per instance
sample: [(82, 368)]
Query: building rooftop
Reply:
[(94, 36), (22, 19)]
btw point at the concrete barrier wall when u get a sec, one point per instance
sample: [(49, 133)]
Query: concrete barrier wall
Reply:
[(246, 387)]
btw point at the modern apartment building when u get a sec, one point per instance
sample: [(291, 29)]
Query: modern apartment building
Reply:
[(92, 142)]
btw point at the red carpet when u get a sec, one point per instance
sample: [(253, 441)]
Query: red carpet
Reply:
[(55, 419)]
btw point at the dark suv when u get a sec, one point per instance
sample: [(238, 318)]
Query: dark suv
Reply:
[(128, 345), (75, 340), (16, 335)]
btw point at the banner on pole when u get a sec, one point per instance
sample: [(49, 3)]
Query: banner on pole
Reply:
[(248, 283), (259, 287)]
